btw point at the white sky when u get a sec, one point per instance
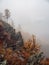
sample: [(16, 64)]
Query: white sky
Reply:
[(32, 15)]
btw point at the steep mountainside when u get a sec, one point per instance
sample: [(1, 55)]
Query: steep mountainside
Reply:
[(9, 33)]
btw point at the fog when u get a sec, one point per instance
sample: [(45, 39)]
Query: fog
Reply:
[(32, 15)]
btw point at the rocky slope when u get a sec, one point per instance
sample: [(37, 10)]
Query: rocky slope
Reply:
[(10, 37)]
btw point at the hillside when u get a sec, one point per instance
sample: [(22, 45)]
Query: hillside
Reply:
[(13, 50), (10, 34)]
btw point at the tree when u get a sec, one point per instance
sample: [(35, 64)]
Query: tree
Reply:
[(8, 18), (0, 16), (35, 59), (7, 14)]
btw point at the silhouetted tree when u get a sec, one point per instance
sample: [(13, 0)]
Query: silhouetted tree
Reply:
[(1, 16), (7, 14)]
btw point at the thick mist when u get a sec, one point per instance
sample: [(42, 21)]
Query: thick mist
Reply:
[(32, 15)]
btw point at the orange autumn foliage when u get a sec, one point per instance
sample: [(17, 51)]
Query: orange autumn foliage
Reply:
[(19, 57)]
